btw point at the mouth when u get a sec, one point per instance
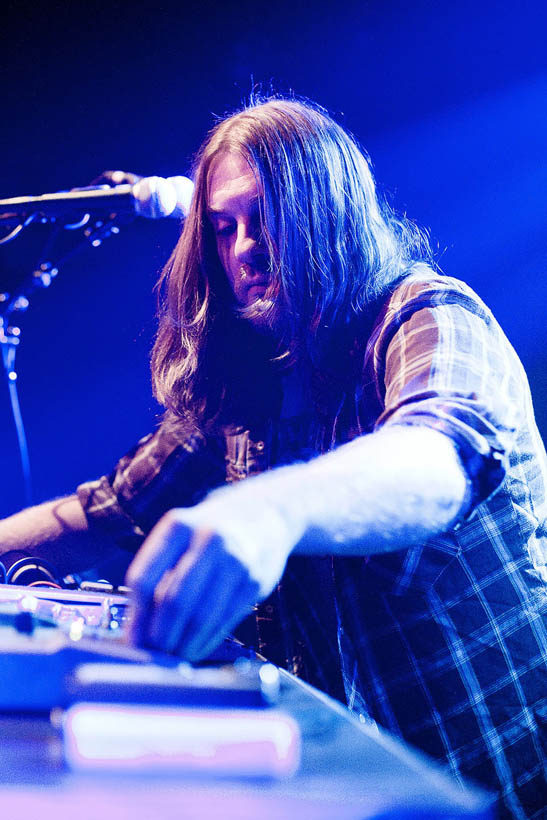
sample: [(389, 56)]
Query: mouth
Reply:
[(253, 281), (255, 289)]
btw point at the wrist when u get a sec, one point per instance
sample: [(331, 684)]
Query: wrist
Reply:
[(254, 525)]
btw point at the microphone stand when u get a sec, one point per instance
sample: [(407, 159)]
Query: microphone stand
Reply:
[(14, 304)]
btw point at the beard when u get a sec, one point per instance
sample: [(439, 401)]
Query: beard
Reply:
[(266, 317)]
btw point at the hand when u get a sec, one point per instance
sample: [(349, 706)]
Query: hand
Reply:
[(189, 591), (202, 568)]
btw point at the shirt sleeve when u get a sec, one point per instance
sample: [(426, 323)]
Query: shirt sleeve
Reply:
[(172, 467), (442, 360)]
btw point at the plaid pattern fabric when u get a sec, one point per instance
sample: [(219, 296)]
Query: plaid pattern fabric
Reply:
[(444, 644)]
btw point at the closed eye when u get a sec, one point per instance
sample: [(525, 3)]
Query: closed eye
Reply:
[(222, 227)]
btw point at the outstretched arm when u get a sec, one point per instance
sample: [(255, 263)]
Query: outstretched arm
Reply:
[(201, 568), (56, 531), (59, 531)]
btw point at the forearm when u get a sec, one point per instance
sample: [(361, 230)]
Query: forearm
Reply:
[(381, 492), (56, 531)]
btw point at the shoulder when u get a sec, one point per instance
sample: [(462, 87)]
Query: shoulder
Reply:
[(425, 298), (424, 287)]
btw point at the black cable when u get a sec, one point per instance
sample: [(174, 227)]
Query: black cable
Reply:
[(12, 234), (37, 568), (8, 355), (17, 230)]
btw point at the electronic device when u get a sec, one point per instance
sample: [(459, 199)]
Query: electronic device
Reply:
[(51, 640)]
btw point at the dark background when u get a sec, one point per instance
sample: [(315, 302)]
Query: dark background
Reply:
[(449, 98)]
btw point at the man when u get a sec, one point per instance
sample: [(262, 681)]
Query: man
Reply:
[(403, 568)]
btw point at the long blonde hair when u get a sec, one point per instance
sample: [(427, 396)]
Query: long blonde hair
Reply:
[(334, 247)]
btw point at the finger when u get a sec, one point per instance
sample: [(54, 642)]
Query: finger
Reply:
[(231, 596), (181, 592), (225, 600), (166, 543), (207, 635), (161, 549)]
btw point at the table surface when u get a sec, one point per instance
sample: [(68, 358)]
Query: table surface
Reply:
[(347, 770)]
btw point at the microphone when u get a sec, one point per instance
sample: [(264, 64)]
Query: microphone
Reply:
[(151, 197)]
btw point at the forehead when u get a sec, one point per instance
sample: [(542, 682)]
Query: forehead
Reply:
[(230, 178)]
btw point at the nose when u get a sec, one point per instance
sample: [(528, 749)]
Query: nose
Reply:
[(247, 245)]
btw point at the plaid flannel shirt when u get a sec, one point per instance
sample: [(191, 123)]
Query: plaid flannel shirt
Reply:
[(444, 643)]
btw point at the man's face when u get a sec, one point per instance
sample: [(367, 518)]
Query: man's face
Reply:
[(234, 212)]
